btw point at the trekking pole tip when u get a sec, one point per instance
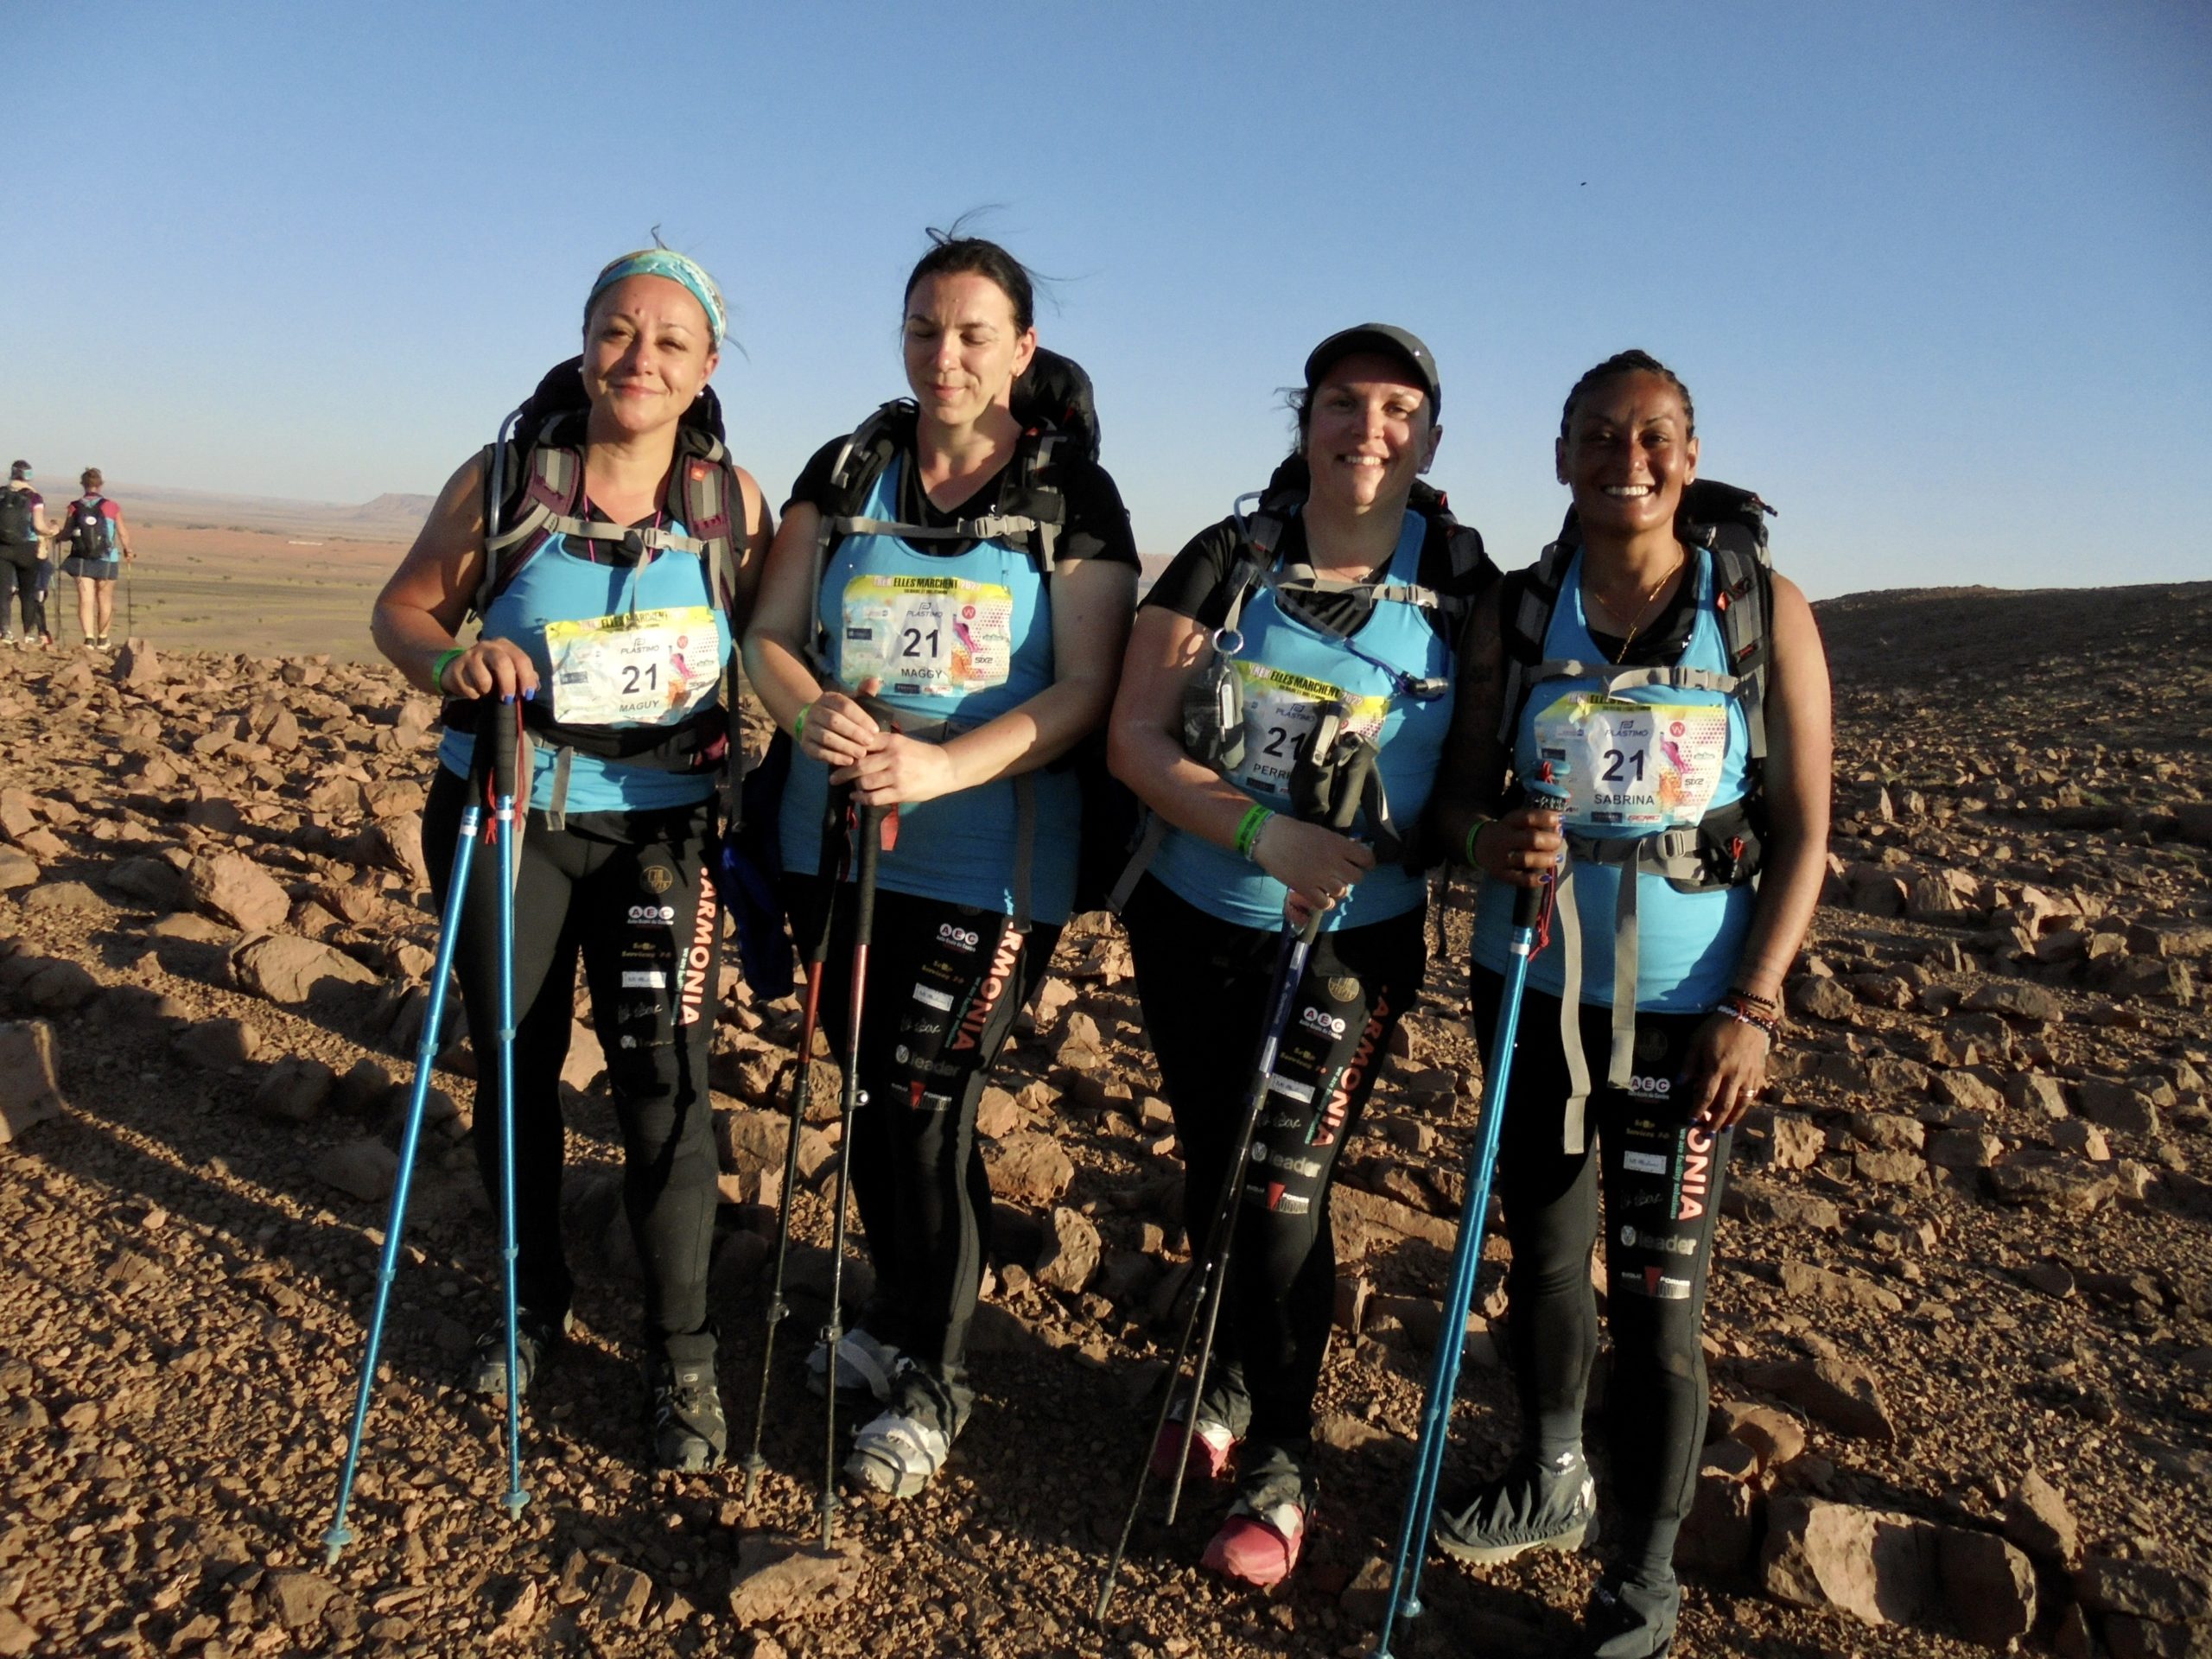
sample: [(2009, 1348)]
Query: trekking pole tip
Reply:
[(513, 1501), (334, 1542)]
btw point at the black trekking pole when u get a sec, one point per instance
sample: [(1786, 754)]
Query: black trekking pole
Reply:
[(426, 1050), (1213, 1281), (870, 837), (817, 953), (1466, 1266)]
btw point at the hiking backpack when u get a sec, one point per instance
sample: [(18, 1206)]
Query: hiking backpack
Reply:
[(1726, 847), (1212, 723), (87, 530), (18, 524), (533, 489)]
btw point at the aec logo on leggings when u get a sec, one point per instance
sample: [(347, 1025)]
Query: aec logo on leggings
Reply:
[(696, 958)]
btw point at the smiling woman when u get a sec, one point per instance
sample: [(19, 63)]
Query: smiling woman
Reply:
[(940, 622), (1282, 710), (610, 550)]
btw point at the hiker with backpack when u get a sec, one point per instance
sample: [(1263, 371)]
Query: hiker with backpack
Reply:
[(100, 545), (1275, 647), (609, 550), (939, 625), (1653, 670), (24, 568)]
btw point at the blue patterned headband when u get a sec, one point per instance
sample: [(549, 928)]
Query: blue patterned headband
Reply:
[(665, 262)]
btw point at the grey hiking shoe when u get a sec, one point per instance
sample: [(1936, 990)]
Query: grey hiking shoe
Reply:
[(535, 1341), (1628, 1620), (1532, 1505), (689, 1431)]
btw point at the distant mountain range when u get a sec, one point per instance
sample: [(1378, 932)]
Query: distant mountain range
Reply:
[(388, 518)]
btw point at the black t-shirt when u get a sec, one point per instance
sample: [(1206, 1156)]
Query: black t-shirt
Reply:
[(1195, 584), (1097, 525)]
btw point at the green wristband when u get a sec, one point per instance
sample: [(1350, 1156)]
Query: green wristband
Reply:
[(1248, 831), (798, 725), (1480, 825), (444, 661)]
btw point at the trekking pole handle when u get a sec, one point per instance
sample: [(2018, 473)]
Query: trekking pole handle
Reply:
[(864, 861), (1359, 761), (507, 723), (1528, 902)]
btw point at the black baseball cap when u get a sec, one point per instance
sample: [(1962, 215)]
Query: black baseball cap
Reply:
[(21, 469), (1386, 341)]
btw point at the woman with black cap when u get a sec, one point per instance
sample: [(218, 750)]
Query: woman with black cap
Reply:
[(1330, 611)]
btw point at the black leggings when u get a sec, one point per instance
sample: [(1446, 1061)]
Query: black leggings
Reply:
[(1662, 1177), (1204, 983), (945, 982), (23, 574), (628, 892)]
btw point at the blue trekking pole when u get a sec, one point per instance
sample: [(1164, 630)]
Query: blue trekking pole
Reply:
[(503, 814), (1466, 1264), (426, 1050), (1290, 972)]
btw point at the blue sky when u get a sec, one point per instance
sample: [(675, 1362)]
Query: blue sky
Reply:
[(1940, 277)]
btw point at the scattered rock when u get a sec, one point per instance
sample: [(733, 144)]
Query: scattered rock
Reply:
[(1071, 1251), (1029, 1166), (1878, 1566), (30, 1087), (364, 1169), (233, 888), (1828, 1389), (286, 968)]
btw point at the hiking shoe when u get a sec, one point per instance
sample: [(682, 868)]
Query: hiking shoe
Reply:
[(689, 1430), (1532, 1505), (1205, 1451), (1259, 1543), (535, 1341), (1628, 1620), (868, 1367)]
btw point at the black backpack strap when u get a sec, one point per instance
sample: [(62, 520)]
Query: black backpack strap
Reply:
[(1743, 593), (1526, 627), (867, 451)]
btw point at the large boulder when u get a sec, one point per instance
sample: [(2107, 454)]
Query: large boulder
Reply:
[(1878, 1566)]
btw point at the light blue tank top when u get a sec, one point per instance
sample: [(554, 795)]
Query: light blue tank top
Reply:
[(557, 586), (963, 638), (1291, 672), (1688, 943)]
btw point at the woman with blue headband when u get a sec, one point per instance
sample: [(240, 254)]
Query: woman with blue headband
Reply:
[(610, 570)]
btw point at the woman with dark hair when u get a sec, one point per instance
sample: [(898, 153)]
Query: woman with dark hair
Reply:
[(99, 546), (1654, 683), (609, 590), (24, 568), (1329, 614), (938, 666)]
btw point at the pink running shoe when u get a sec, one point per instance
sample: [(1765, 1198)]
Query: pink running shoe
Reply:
[(1259, 1546), (1206, 1453)]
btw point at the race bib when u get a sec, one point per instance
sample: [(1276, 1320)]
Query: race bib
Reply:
[(927, 636), (1280, 711), (1633, 766), (645, 667)]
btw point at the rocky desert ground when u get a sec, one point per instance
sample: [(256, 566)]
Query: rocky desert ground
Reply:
[(1960, 1334)]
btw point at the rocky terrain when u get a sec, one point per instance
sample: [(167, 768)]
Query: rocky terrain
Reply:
[(1960, 1332)]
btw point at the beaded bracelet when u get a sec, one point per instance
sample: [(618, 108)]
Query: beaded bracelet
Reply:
[(1248, 832), (1480, 825), (1741, 1017), (443, 662), (1766, 1002)]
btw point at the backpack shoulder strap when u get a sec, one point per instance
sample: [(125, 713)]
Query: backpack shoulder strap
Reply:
[(1526, 627), (1743, 594), (1256, 553), (553, 480), (705, 494), (861, 460)]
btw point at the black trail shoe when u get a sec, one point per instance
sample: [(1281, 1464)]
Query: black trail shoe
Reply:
[(535, 1340), (688, 1427), (1532, 1505), (1629, 1620)]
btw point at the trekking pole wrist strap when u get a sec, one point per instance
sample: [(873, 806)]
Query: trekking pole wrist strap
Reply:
[(1248, 831), (442, 661)]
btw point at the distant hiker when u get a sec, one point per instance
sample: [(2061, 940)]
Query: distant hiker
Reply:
[(942, 665), (1329, 612), (1653, 669), (627, 552), (98, 543), (25, 569)]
